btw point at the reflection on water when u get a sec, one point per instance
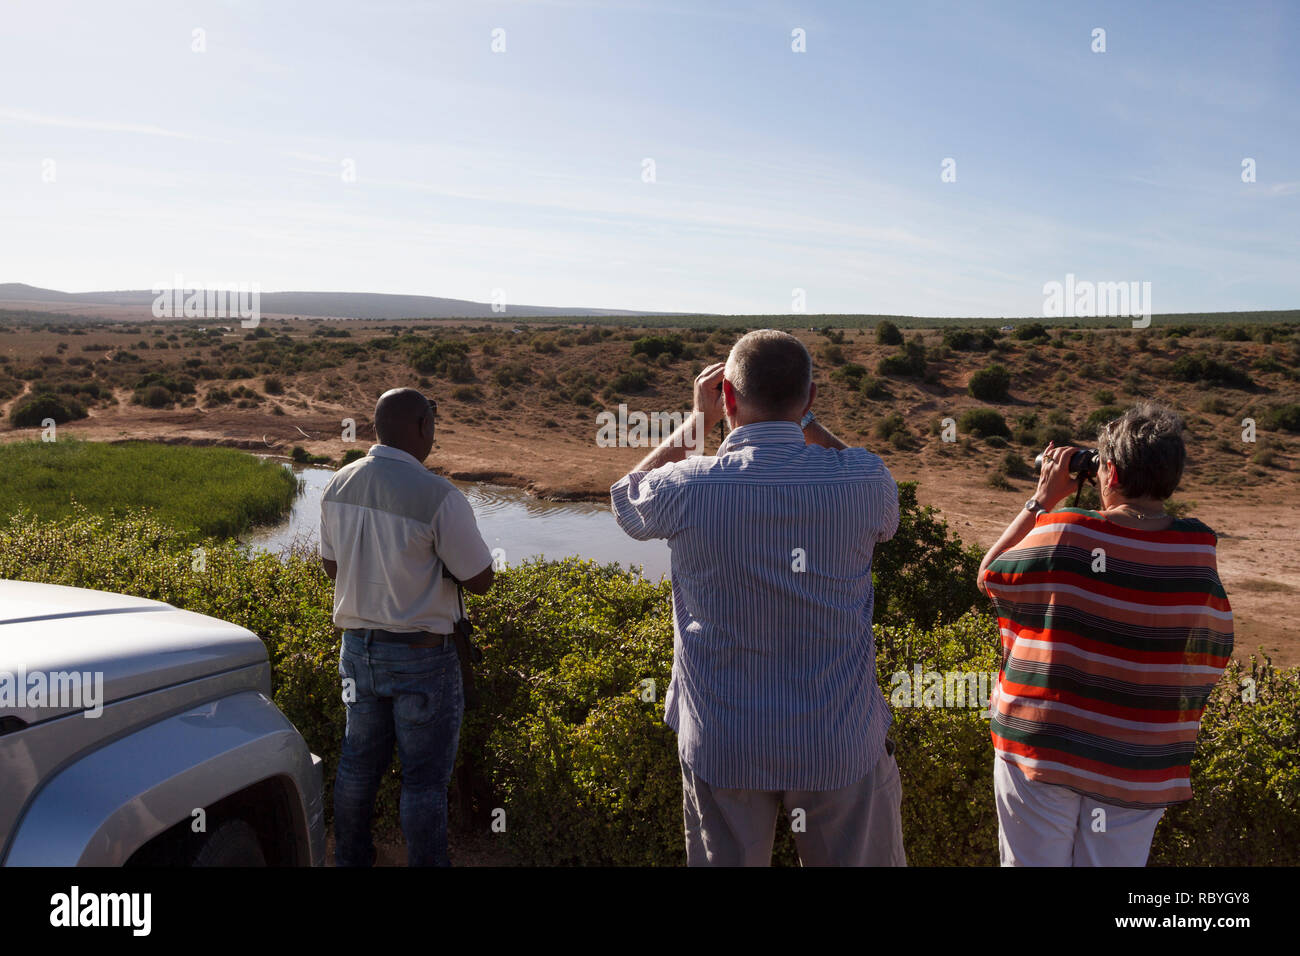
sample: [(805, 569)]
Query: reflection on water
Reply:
[(520, 525)]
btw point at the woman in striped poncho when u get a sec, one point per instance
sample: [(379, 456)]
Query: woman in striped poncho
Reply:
[(1115, 628)]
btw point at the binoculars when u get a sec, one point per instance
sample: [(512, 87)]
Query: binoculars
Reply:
[(1083, 463)]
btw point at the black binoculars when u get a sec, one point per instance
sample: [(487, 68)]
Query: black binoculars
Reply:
[(1083, 463)]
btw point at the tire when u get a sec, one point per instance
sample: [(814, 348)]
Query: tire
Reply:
[(232, 843)]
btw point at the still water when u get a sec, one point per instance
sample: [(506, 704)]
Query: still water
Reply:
[(521, 526)]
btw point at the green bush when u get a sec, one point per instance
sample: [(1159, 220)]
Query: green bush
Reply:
[(1054, 434), (569, 738), (513, 373), (1285, 417), (887, 333), (1032, 331), (990, 384), (353, 454), (924, 573), (1245, 777), (908, 363), (1013, 466), (982, 422), (850, 373), (301, 456), (635, 380), (467, 393), (566, 741), (873, 388), (655, 345), (945, 755), (968, 340), (181, 385), (831, 354), (33, 411), (1199, 367), (893, 429), (155, 396), (449, 360), (1100, 418)]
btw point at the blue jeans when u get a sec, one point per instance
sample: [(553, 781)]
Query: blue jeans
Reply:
[(411, 696)]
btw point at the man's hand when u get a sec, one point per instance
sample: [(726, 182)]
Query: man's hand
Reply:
[(689, 436), (331, 568), (708, 394)]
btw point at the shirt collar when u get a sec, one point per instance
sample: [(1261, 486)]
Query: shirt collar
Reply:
[(388, 451), (762, 433)]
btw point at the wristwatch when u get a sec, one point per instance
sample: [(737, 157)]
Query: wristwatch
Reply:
[(1034, 508), (808, 419)]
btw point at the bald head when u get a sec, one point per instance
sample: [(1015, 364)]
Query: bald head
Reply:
[(404, 419)]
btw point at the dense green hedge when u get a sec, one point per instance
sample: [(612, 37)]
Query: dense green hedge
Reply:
[(570, 742)]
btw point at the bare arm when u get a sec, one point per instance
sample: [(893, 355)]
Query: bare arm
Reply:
[(674, 448), (818, 434), (1053, 485), (690, 435), (480, 582), (331, 568)]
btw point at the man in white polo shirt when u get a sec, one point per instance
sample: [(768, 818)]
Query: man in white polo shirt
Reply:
[(389, 530)]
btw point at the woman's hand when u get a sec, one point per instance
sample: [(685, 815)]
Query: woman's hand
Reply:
[(1054, 481)]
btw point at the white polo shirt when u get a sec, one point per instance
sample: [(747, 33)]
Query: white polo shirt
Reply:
[(392, 525)]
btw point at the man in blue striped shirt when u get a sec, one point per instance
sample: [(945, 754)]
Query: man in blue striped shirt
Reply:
[(773, 695)]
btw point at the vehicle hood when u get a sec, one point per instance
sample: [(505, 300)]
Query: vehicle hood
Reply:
[(90, 648)]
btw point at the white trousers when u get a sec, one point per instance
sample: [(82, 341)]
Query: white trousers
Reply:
[(1043, 824)]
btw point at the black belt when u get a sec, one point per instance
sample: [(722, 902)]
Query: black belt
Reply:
[(410, 638)]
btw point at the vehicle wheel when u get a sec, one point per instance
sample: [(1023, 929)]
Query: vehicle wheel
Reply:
[(233, 843)]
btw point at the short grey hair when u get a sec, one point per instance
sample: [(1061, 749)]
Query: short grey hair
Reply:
[(1146, 445), (770, 370)]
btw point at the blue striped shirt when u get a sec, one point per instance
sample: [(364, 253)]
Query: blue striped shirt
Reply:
[(774, 675)]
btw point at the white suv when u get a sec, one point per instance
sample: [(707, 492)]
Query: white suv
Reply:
[(134, 733)]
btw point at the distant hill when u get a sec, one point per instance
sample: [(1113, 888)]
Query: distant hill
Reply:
[(349, 305), (136, 306)]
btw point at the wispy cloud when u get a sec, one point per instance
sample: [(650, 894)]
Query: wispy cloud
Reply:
[(102, 126)]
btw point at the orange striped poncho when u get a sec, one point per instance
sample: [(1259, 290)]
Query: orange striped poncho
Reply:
[(1112, 640)]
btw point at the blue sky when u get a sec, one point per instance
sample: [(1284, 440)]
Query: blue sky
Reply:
[(774, 170)]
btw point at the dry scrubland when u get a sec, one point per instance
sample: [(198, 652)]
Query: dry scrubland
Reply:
[(519, 407)]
